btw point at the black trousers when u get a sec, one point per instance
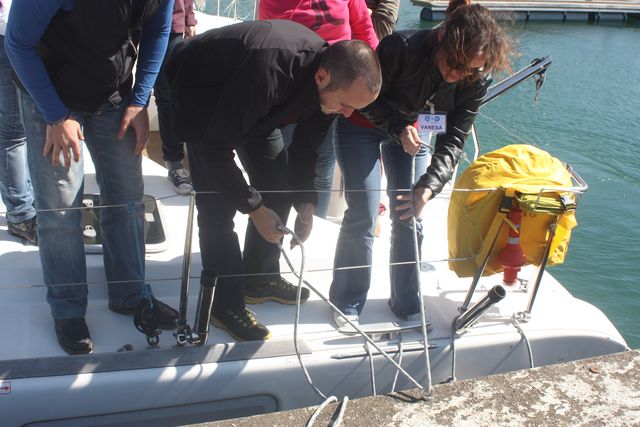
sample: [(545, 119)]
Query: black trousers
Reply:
[(172, 149), (264, 160)]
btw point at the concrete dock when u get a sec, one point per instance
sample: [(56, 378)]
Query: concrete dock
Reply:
[(544, 10), (598, 391)]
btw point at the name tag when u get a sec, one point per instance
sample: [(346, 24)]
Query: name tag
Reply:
[(434, 123)]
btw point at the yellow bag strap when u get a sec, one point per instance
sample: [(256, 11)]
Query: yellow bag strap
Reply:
[(494, 228), (549, 203)]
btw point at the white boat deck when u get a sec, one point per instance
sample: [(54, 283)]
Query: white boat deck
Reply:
[(262, 377), (28, 327)]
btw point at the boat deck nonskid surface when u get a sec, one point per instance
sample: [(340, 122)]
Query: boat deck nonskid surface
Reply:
[(223, 379), (27, 328)]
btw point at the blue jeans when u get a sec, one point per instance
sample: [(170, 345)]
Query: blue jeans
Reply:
[(15, 184), (358, 151), (172, 149), (325, 166), (119, 177)]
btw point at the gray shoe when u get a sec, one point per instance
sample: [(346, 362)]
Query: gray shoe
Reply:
[(180, 181), (28, 230), (342, 324)]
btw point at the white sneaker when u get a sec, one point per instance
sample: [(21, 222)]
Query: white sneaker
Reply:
[(180, 180), (342, 324)]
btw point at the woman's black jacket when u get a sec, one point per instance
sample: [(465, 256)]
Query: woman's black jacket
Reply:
[(410, 78)]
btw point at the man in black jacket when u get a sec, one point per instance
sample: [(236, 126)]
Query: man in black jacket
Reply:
[(232, 89)]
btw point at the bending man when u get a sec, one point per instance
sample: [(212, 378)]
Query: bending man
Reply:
[(232, 89)]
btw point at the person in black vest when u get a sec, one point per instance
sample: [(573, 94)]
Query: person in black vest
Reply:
[(74, 61), (232, 89)]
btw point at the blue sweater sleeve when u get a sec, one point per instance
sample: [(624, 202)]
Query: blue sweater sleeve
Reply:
[(153, 46), (28, 20)]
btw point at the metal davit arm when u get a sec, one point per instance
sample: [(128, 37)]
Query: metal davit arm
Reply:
[(537, 68)]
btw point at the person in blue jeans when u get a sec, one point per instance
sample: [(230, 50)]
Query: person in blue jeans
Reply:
[(74, 60), (325, 166), (438, 75), (15, 184), (361, 152), (183, 25)]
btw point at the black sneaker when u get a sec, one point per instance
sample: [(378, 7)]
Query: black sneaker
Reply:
[(73, 335), (167, 316), (180, 180), (279, 290), (28, 230), (241, 325)]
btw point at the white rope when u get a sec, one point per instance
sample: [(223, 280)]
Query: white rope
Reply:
[(428, 390), (343, 408), (298, 303), (161, 198), (319, 409), (400, 353), (336, 310), (524, 337), (371, 369), (339, 417)]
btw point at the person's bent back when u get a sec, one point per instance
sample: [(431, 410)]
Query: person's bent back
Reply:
[(233, 88)]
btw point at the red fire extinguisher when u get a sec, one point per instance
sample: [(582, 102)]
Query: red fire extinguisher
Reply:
[(512, 257)]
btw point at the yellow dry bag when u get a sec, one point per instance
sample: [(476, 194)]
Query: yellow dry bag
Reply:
[(521, 173)]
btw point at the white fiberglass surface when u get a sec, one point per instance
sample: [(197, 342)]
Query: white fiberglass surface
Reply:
[(27, 327)]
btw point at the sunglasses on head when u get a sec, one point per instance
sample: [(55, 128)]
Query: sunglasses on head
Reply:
[(464, 69)]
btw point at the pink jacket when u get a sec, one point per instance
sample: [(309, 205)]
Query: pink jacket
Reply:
[(333, 20), (183, 16)]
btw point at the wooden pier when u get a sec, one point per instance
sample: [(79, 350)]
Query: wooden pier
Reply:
[(545, 10)]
